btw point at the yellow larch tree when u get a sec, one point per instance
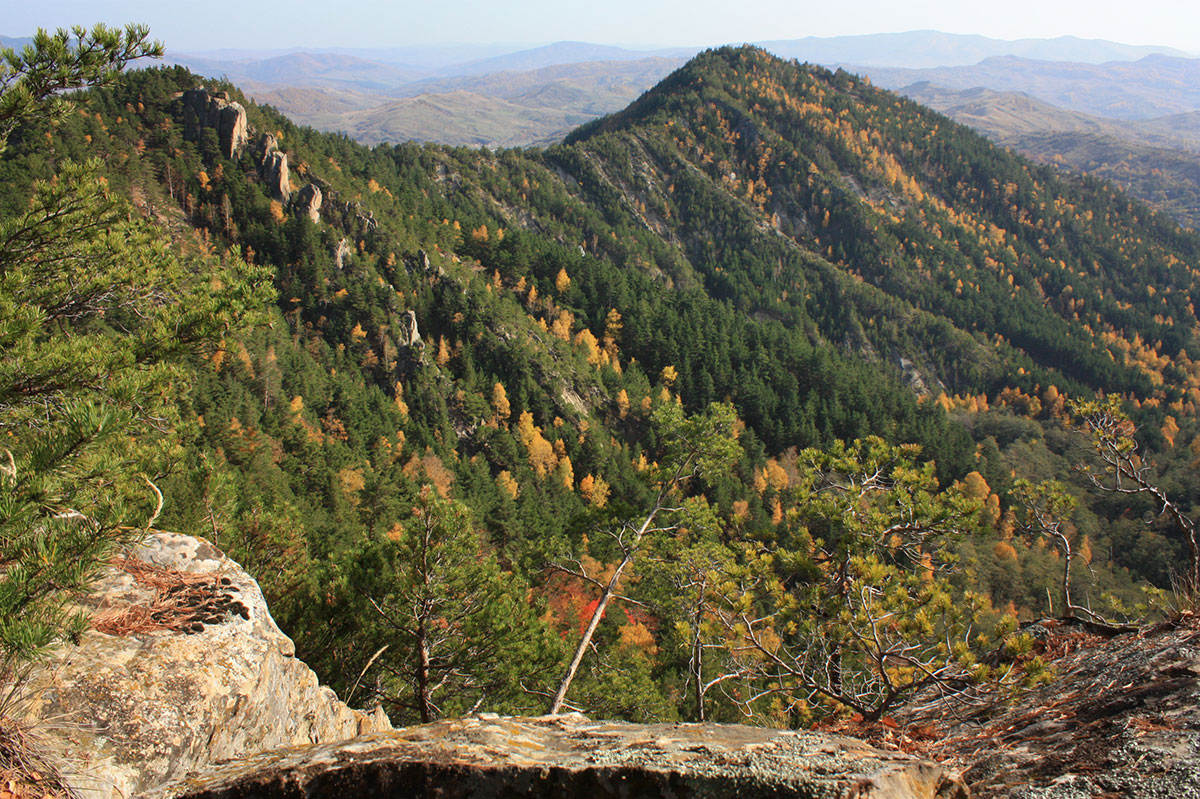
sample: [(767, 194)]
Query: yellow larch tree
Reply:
[(500, 402)]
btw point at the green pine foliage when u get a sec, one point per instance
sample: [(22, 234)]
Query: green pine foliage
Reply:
[(99, 316)]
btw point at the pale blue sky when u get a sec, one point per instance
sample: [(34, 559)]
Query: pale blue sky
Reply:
[(215, 24)]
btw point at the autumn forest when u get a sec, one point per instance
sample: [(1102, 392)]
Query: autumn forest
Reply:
[(774, 397)]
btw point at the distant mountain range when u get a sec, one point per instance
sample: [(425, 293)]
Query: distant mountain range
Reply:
[(463, 95), (1003, 115), (564, 53), (588, 76), (423, 57), (924, 49), (912, 50), (308, 70), (387, 70), (497, 109), (1150, 87), (1127, 113)]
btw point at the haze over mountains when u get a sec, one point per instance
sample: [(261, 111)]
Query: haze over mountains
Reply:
[(1001, 114), (470, 95), (917, 49), (502, 108), (1127, 113), (912, 50), (1149, 87)]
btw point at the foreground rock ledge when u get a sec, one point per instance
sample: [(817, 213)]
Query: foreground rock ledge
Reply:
[(570, 756), (129, 712)]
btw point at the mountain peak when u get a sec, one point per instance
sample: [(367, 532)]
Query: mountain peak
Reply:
[(710, 74)]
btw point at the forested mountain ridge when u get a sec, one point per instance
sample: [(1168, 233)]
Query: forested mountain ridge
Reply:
[(835, 261), (834, 176), (913, 242)]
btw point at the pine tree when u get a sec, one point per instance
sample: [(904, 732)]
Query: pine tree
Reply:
[(458, 632), (854, 608), (33, 82), (96, 314)]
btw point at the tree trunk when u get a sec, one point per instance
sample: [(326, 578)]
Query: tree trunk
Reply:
[(610, 590), (424, 701), (698, 670), (1193, 589), (835, 657), (1066, 579)]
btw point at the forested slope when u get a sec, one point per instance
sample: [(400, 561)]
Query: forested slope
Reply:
[(833, 260)]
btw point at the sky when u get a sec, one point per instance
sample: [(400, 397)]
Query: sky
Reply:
[(215, 24)]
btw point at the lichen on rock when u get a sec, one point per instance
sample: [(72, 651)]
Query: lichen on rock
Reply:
[(212, 678)]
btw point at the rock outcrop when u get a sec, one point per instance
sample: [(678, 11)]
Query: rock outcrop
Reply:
[(308, 201), (274, 172), (340, 251), (570, 756), (196, 672), (202, 109), (408, 334)]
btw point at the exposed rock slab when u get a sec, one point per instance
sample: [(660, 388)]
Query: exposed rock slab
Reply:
[(570, 756), (131, 712), (1120, 719)]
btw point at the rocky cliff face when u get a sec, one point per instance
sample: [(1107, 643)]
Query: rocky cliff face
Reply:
[(192, 670), (202, 109), (570, 756), (273, 168)]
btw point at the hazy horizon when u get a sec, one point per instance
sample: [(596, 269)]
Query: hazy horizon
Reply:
[(516, 46), (633, 24)]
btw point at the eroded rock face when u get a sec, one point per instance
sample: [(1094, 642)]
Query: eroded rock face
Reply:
[(308, 200), (570, 756), (131, 712), (274, 171), (203, 109)]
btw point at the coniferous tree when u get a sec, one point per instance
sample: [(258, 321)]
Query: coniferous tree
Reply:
[(457, 632), (96, 314)]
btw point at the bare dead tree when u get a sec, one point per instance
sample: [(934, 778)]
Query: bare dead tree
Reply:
[(629, 539)]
